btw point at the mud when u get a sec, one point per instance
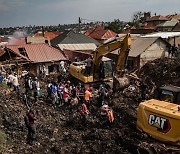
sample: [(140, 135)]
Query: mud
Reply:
[(60, 129)]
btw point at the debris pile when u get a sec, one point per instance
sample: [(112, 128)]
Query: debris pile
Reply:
[(60, 130)]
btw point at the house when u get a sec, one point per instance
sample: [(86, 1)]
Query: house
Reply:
[(48, 35), (167, 26), (32, 56), (170, 37), (176, 28), (70, 37), (143, 50), (100, 34), (173, 16), (36, 40), (80, 51), (145, 28), (157, 19), (80, 55)]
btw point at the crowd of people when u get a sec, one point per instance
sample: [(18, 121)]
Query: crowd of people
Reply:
[(59, 92)]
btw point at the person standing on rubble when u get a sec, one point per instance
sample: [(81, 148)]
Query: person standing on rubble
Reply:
[(9, 80), (84, 112), (103, 93), (15, 83), (30, 124), (106, 114), (88, 96), (66, 94), (143, 87), (36, 88), (54, 93), (27, 83), (49, 89)]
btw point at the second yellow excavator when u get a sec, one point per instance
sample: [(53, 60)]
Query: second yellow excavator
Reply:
[(102, 67)]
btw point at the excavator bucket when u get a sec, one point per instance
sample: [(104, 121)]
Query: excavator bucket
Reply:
[(120, 82)]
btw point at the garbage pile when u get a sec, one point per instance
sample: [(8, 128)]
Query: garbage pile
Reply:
[(60, 130)]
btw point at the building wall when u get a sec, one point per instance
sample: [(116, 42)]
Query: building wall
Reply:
[(50, 67), (155, 51)]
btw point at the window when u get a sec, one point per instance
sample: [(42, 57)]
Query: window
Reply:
[(167, 96)]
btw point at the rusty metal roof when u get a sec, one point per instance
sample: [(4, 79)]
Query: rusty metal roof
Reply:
[(49, 35), (157, 18), (102, 34), (39, 52)]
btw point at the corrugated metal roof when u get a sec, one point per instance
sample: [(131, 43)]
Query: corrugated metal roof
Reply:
[(70, 37), (138, 46), (85, 46), (163, 34), (49, 35), (102, 34), (171, 23), (39, 52)]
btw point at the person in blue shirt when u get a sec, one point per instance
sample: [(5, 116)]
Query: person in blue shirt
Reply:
[(54, 93)]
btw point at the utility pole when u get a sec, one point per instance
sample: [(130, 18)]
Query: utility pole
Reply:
[(79, 23)]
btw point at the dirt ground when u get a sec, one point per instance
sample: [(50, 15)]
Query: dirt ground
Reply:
[(60, 130)]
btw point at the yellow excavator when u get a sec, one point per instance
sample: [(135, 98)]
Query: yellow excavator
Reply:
[(102, 67), (160, 117)]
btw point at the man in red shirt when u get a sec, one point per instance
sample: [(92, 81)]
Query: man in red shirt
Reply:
[(84, 112), (30, 124)]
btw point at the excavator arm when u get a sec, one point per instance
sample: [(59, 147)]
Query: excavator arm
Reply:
[(123, 45)]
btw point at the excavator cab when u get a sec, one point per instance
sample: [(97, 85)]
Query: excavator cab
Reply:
[(105, 71), (168, 93)]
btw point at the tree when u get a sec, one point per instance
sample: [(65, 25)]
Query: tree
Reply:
[(138, 17), (116, 26)]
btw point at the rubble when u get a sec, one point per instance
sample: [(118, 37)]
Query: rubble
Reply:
[(59, 129)]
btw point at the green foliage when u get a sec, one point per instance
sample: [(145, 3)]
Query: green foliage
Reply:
[(138, 17), (116, 26)]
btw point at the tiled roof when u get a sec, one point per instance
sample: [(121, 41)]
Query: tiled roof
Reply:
[(39, 52), (157, 18), (102, 34)]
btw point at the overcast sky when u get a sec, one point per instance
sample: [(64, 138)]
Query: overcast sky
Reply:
[(53, 12)]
